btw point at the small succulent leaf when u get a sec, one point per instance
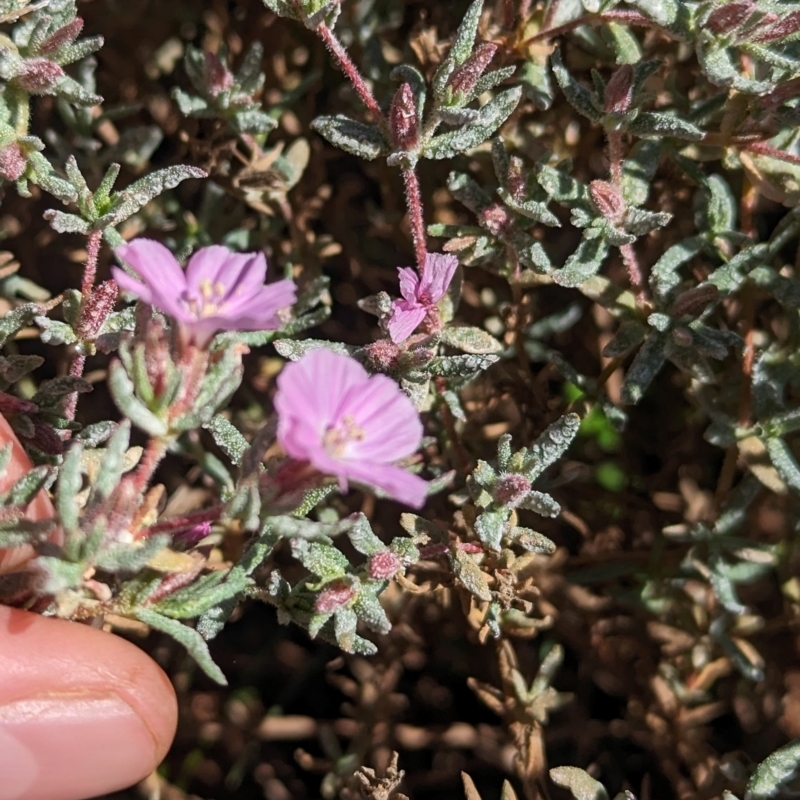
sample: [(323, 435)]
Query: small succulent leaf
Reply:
[(356, 138), (188, 637), (774, 772), (581, 785), (469, 574), (490, 118)]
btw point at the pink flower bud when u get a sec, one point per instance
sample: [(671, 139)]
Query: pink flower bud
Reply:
[(464, 78), (12, 162), (382, 355), (608, 200), (38, 75), (403, 120), (64, 35), (383, 566), (496, 219), (96, 309), (218, 76), (619, 91), (334, 596), (10, 405), (780, 29), (511, 490), (729, 17)]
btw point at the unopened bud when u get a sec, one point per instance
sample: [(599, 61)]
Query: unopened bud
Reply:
[(778, 30), (383, 355), (383, 565), (511, 490), (619, 91), (730, 16), (464, 78), (496, 219), (334, 596), (694, 301), (607, 199), (96, 309), (10, 405), (64, 35), (218, 76), (45, 439), (12, 162), (38, 75), (403, 119)]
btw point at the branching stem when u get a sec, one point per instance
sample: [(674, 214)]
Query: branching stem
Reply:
[(415, 216)]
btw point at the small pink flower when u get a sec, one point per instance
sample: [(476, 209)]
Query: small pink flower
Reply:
[(420, 295), (349, 424), (333, 597), (383, 565), (218, 291)]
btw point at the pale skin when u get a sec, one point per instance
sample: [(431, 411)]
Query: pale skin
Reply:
[(82, 712)]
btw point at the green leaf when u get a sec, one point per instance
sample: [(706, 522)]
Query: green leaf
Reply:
[(784, 461), (581, 785), (123, 394), (356, 138), (470, 340), (651, 123), (188, 637), (579, 97), (464, 41), (470, 575), (646, 365), (228, 438), (774, 772), (490, 118), (584, 263)]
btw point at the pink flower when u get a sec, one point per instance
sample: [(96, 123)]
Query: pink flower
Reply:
[(420, 295), (218, 291), (348, 424)]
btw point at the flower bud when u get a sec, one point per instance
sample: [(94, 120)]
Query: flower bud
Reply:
[(511, 490), (383, 565), (10, 405), (96, 309), (218, 76), (607, 199), (496, 219), (619, 91), (382, 355), (682, 337), (335, 595), (12, 162), (38, 75), (730, 16), (64, 35), (464, 78), (403, 120), (779, 29)]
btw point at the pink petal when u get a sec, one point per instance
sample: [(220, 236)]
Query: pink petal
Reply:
[(404, 320), (409, 283), (390, 423), (315, 386), (218, 264), (160, 273), (438, 273), (397, 483), (259, 310)]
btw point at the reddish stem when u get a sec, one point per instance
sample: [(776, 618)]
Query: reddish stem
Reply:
[(627, 17), (188, 521), (415, 216), (156, 450), (765, 150), (346, 65), (75, 371)]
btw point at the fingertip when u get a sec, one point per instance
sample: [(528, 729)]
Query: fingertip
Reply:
[(82, 712)]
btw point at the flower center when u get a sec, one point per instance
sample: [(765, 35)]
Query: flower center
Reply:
[(337, 437), (209, 302)]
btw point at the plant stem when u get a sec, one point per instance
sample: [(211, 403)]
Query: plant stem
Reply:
[(156, 450), (187, 521), (346, 65), (415, 216), (626, 17)]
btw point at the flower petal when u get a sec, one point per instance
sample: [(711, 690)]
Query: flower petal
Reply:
[(396, 482), (160, 273), (404, 320), (390, 424), (409, 283), (218, 265), (438, 273), (259, 310)]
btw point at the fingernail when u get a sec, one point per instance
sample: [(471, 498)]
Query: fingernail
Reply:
[(66, 747)]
